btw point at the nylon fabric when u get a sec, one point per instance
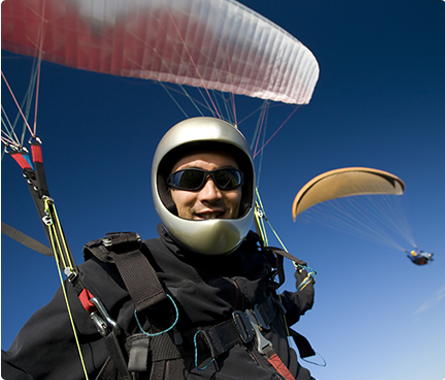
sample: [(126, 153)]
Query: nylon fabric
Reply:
[(21, 160), (26, 240), (216, 44), (37, 155), (221, 338), (280, 367), (133, 266), (85, 299), (139, 353), (304, 347), (119, 360)]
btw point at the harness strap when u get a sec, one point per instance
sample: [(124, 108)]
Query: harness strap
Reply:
[(140, 279), (134, 266), (116, 355), (265, 312), (277, 363), (304, 347), (37, 157), (222, 337), (108, 371), (26, 240), (124, 250), (217, 340), (281, 252), (279, 255), (158, 350)]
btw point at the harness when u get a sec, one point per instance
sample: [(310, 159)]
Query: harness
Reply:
[(171, 353)]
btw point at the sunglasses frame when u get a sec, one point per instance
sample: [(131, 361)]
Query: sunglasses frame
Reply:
[(206, 174)]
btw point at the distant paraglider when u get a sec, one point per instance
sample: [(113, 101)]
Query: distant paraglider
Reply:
[(373, 215), (346, 182), (419, 257)]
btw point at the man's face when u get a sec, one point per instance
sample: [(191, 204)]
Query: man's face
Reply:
[(209, 202)]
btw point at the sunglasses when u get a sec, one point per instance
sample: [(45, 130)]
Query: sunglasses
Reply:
[(193, 179)]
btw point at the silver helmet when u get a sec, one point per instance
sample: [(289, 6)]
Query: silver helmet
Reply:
[(212, 236)]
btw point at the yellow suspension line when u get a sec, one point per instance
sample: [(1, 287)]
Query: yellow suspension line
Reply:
[(260, 217), (262, 214), (62, 254)]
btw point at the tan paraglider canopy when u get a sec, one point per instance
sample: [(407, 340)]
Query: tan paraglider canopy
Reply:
[(345, 182)]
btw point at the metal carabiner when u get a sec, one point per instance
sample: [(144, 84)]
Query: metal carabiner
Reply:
[(102, 319)]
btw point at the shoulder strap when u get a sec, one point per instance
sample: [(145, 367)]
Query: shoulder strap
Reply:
[(283, 253), (124, 249)]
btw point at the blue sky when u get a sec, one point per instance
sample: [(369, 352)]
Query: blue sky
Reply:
[(379, 102)]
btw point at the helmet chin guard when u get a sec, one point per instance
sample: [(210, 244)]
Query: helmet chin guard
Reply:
[(212, 236)]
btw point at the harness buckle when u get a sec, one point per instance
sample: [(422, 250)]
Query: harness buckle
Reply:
[(71, 275), (243, 325), (117, 238), (259, 317), (262, 342), (248, 325)]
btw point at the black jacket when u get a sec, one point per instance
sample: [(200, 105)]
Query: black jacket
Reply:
[(206, 290)]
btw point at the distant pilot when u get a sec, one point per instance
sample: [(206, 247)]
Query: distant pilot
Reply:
[(419, 257)]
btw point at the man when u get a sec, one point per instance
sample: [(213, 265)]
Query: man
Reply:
[(211, 311), (419, 257)]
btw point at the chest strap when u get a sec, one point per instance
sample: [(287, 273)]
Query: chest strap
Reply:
[(215, 340), (245, 328)]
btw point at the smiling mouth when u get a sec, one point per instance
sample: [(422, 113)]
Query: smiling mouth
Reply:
[(210, 215)]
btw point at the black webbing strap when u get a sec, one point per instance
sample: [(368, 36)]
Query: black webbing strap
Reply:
[(279, 255), (281, 252), (304, 347), (140, 279), (108, 371), (277, 363), (116, 355), (159, 354), (266, 312), (224, 336), (37, 159), (26, 240), (136, 271), (221, 338)]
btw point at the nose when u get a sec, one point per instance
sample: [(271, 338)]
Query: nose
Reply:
[(210, 191)]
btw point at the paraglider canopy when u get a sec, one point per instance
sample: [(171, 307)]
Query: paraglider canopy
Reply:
[(345, 182), (215, 44)]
